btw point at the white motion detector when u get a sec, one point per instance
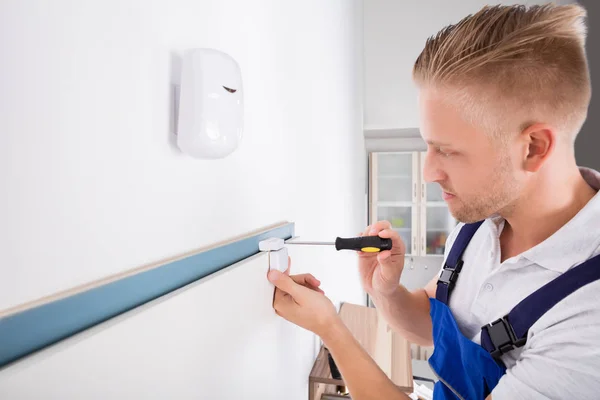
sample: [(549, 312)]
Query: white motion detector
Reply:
[(210, 119)]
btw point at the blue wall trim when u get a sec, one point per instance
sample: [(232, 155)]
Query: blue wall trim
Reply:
[(36, 328)]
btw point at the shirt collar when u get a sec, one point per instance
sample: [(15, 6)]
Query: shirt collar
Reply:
[(575, 242)]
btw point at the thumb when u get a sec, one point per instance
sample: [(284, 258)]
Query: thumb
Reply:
[(284, 283)]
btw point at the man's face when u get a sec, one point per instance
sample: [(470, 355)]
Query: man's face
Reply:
[(476, 173)]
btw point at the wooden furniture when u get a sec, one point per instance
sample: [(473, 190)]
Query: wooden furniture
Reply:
[(389, 350)]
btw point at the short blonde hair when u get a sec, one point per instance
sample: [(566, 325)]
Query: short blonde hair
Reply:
[(515, 65)]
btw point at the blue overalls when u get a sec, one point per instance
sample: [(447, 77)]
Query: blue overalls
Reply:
[(470, 371)]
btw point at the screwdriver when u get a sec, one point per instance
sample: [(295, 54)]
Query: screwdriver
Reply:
[(367, 244)]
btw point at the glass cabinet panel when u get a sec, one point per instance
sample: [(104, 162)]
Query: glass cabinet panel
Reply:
[(401, 219), (395, 177), (434, 193), (415, 208), (438, 225)]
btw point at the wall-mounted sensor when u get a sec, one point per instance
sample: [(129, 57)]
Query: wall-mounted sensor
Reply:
[(278, 259), (210, 116), (277, 252)]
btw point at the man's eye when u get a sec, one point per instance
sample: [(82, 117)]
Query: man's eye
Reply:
[(443, 152)]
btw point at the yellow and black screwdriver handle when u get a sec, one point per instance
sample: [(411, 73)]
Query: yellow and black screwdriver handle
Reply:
[(367, 244)]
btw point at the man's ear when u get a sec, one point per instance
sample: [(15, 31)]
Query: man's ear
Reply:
[(538, 140)]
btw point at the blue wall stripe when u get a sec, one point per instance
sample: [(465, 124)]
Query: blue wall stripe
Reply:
[(36, 328)]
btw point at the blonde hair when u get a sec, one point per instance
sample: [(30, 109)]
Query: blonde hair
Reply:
[(509, 66)]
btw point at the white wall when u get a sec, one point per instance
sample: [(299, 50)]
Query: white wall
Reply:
[(395, 33), (203, 341), (177, 347), (92, 184)]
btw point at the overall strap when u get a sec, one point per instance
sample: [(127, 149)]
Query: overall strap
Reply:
[(511, 331), (454, 262)]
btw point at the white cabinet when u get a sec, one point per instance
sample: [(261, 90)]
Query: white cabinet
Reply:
[(399, 194)]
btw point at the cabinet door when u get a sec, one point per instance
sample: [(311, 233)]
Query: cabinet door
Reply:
[(436, 222), (405, 221), (394, 194), (436, 225)]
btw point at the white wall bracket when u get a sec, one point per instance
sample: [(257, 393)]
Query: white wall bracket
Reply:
[(277, 253)]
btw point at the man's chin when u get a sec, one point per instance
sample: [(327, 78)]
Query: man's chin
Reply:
[(468, 219), (463, 216)]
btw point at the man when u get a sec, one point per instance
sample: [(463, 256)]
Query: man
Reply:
[(502, 96)]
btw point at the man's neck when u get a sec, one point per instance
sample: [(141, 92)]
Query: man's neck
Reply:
[(543, 211)]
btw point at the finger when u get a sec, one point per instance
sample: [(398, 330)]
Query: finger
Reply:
[(398, 245), (282, 302), (305, 279), (285, 283), (378, 227), (308, 281), (314, 288), (313, 281)]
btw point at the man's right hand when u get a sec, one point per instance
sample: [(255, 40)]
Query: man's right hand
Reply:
[(380, 272), (406, 312)]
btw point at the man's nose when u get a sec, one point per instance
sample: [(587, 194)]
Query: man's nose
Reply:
[(431, 169)]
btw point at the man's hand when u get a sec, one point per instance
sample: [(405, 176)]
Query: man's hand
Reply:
[(299, 300), (380, 272)]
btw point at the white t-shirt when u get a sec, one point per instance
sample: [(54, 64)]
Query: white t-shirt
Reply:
[(561, 359)]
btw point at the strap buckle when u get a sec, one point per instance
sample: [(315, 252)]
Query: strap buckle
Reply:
[(448, 276), (502, 336)]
